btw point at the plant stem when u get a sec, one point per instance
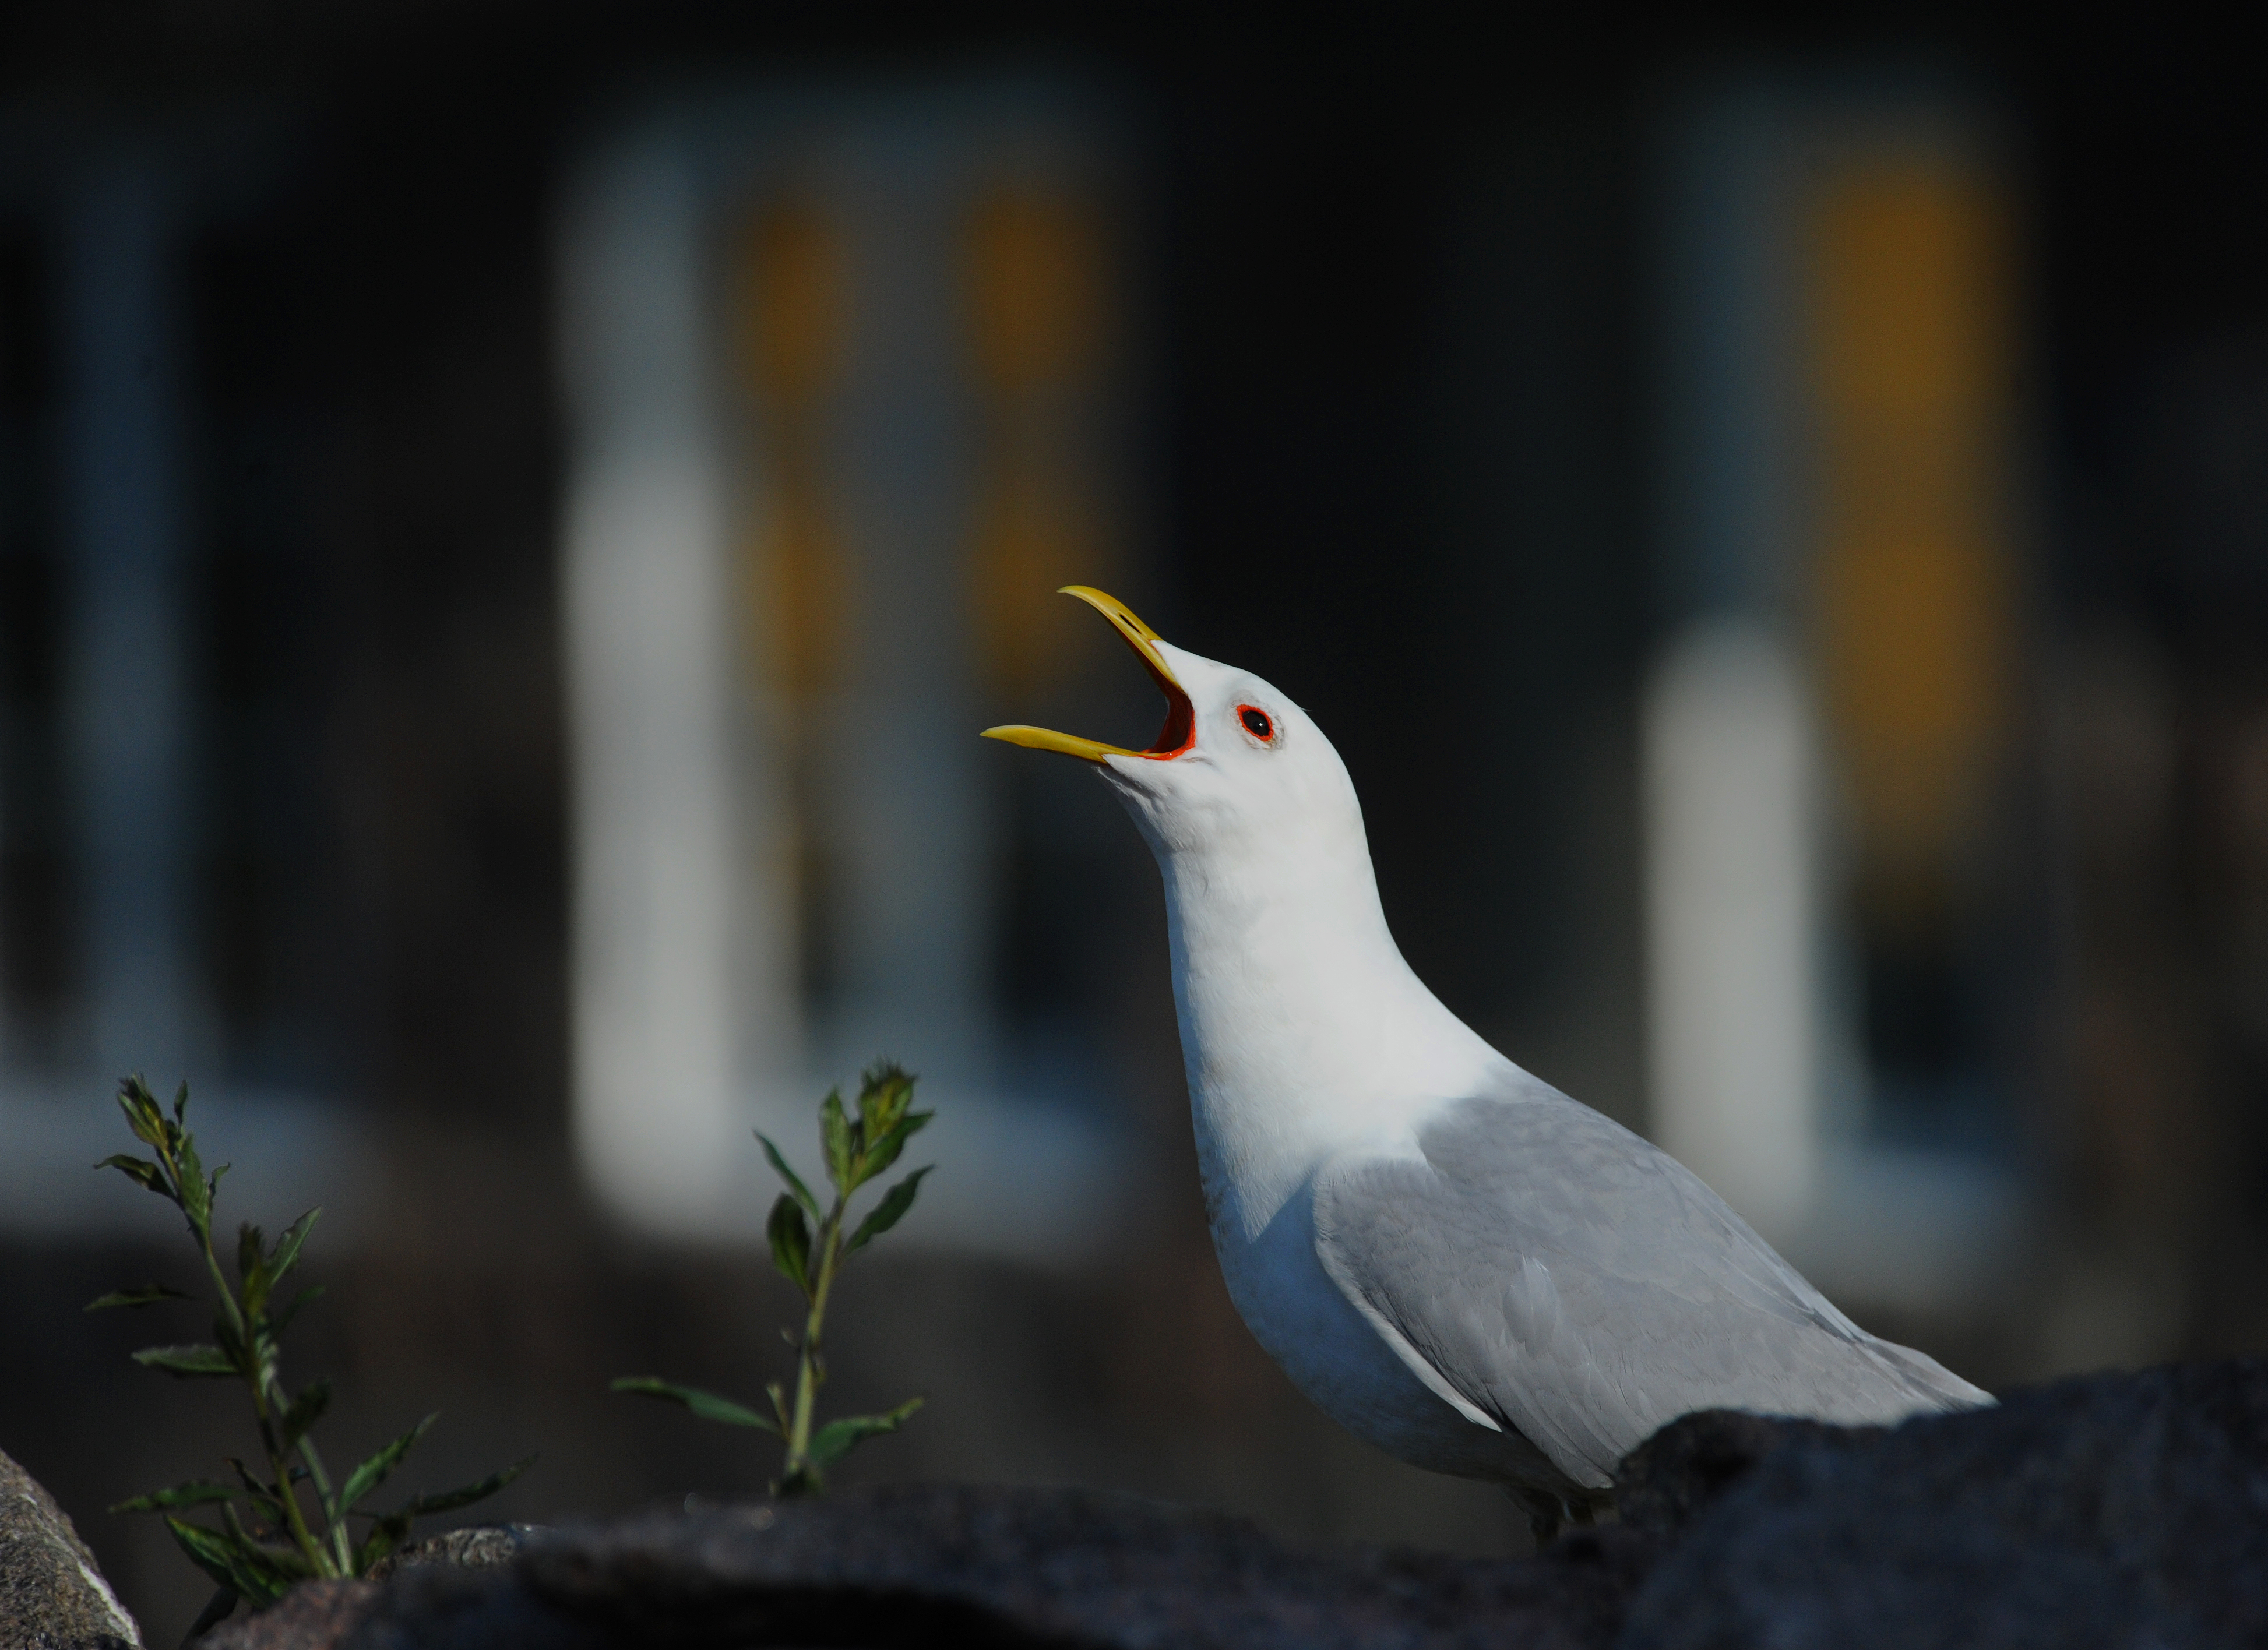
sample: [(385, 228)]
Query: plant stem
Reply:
[(294, 1516), (203, 1231), (332, 1519), (810, 1364)]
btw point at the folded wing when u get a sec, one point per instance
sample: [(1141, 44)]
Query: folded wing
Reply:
[(1545, 1268)]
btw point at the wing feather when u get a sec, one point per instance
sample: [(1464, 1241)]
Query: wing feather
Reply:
[(1561, 1276)]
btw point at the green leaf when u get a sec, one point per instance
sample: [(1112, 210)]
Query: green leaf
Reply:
[(252, 1269), (215, 1554), (465, 1494), (276, 1321), (371, 1473), (142, 1171), (707, 1405), (180, 1105), (790, 1240), (141, 1109), (794, 1182), (263, 1495), (288, 1560), (193, 1494), (216, 1611), (385, 1535), (887, 1212), (286, 1253), (886, 1090), (198, 1189), (141, 1297), (392, 1529), (834, 1141), (306, 1410), (256, 1485), (884, 1084), (246, 1569), (187, 1360), (778, 1394), (232, 1342), (837, 1439), (886, 1150)]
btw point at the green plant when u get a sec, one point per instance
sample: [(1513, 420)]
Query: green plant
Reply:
[(294, 1525), (855, 1150)]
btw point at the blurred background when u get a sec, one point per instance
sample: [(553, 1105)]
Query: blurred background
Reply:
[(510, 520)]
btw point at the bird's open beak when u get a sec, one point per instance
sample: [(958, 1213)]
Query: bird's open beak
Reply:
[(1178, 734)]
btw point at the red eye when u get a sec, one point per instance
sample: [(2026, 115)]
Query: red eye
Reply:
[(1257, 721)]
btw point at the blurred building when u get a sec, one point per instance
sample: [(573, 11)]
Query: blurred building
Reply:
[(846, 402), (509, 527), (1842, 935), (171, 851)]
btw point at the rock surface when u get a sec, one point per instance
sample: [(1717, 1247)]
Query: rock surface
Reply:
[(52, 1596), (480, 1547), (2112, 1510), (966, 1566)]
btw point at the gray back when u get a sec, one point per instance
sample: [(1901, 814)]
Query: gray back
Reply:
[(1575, 1283)]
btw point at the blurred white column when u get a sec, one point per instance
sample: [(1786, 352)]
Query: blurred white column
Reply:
[(1758, 1079), (1732, 918), (690, 1025), (1729, 769), (666, 1003), (905, 804)]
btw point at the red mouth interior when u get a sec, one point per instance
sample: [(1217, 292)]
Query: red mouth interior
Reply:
[(1181, 729)]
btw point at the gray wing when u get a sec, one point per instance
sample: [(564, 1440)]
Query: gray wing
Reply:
[(1546, 1268)]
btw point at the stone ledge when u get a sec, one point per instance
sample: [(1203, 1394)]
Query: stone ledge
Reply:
[(2111, 1510), (1003, 1567), (52, 1593)]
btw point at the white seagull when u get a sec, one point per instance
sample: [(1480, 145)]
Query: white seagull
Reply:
[(1452, 1259)]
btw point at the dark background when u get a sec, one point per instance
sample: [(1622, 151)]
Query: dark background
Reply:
[(1423, 510)]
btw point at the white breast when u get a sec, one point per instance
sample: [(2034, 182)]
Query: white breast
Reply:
[(1338, 1361)]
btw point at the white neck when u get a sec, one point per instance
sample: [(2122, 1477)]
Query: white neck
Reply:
[(1302, 1028)]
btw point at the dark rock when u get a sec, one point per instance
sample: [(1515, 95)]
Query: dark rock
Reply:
[(312, 1615), (2115, 1510), (478, 1547), (317, 1615), (321, 1613), (2111, 1510), (981, 1567), (52, 1593), (1666, 1482)]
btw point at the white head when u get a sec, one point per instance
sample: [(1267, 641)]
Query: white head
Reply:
[(1238, 775), (1302, 1025)]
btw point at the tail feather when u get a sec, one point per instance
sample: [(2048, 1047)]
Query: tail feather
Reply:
[(1932, 1379)]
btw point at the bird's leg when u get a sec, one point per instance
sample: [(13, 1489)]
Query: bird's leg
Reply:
[(1583, 1515)]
